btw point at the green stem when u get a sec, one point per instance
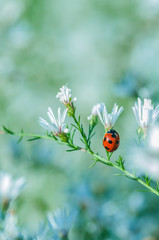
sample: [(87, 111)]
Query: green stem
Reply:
[(33, 135), (49, 138), (105, 161), (97, 157), (83, 135)]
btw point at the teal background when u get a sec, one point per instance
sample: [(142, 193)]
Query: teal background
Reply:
[(105, 51)]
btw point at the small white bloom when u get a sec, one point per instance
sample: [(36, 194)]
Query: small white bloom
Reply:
[(145, 113), (146, 156), (108, 120), (10, 189), (61, 221), (45, 233), (57, 125), (10, 229), (94, 111), (144, 162), (65, 96), (153, 140)]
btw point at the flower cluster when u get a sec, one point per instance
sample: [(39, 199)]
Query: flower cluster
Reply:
[(145, 115), (146, 156), (58, 127)]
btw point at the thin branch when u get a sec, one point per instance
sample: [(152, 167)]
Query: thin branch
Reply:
[(98, 158)]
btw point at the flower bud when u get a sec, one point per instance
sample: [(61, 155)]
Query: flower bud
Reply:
[(93, 120), (63, 136), (70, 110)]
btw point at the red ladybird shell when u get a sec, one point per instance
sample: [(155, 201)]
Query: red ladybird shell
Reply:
[(111, 140)]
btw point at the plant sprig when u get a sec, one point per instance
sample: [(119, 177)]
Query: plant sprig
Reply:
[(118, 164)]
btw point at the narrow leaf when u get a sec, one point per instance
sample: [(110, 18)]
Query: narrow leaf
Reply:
[(82, 140), (20, 139), (73, 135), (33, 139), (132, 178), (93, 164), (79, 119), (74, 126), (71, 150), (7, 130)]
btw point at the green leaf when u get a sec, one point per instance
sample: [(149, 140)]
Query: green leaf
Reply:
[(71, 150), (7, 130), (123, 174), (79, 119), (93, 164), (52, 136), (82, 140), (120, 162), (147, 180), (92, 135), (20, 139), (132, 178), (73, 135), (74, 126), (33, 139), (106, 163)]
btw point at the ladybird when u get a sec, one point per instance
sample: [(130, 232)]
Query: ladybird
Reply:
[(111, 140)]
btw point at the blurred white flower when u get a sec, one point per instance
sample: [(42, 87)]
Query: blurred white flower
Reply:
[(10, 11), (145, 163), (146, 157), (153, 140), (10, 228), (108, 120), (10, 189), (61, 221), (45, 233), (57, 126), (94, 111), (145, 114), (65, 96)]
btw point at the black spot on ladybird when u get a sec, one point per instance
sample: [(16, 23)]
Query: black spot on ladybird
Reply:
[(105, 139), (107, 148), (113, 135), (117, 142), (109, 141), (111, 131)]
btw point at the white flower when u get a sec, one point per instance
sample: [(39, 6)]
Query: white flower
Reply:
[(145, 156), (65, 96), (57, 126), (144, 162), (45, 233), (61, 221), (94, 111), (145, 114), (108, 120), (152, 141), (10, 229), (10, 189)]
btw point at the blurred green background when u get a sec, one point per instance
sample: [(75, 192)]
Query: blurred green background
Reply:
[(105, 51)]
